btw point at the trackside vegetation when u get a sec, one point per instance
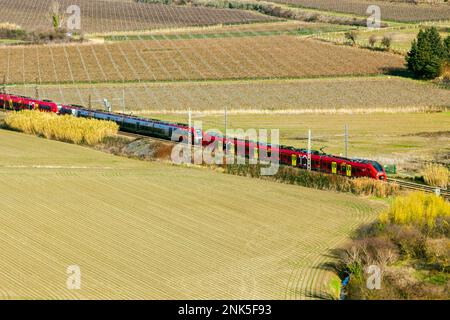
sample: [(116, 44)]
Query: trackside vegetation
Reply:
[(436, 175), (62, 128), (317, 180), (410, 244)]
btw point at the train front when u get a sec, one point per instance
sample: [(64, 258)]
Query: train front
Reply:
[(378, 171)]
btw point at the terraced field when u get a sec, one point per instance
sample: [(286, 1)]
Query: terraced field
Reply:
[(396, 11), (195, 59), (152, 230), (117, 15)]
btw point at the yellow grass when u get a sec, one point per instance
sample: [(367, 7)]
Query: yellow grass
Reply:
[(418, 209), (63, 128), (368, 186), (436, 175)]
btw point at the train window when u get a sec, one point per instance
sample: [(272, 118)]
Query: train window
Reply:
[(304, 161)]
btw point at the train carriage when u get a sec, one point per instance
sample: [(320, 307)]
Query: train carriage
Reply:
[(288, 155)]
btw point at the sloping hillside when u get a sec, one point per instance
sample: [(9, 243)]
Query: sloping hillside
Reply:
[(152, 230)]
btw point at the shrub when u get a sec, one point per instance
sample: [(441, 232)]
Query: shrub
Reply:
[(438, 252), (436, 175), (62, 128), (409, 239), (386, 42), (11, 31), (418, 209)]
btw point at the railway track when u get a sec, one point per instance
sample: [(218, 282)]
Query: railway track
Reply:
[(445, 193)]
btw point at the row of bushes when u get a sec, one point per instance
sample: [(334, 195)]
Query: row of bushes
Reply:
[(62, 128), (410, 244), (13, 32), (317, 180), (268, 9)]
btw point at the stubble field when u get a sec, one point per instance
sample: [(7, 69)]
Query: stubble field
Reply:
[(221, 236)]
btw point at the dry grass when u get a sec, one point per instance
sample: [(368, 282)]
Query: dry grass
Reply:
[(321, 181), (117, 219), (62, 128), (371, 187), (436, 175), (193, 59)]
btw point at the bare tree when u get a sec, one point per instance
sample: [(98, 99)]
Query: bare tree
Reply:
[(372, 40), (352, 36)]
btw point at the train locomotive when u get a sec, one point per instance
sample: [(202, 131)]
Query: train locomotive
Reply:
[(288, 155)]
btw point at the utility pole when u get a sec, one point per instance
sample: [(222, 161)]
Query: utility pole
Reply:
[(346, 140), (123, 100), (189, 128), (226, 120), (3, 90), (309, 150), (36, 89), (107, 105), (90, 102)]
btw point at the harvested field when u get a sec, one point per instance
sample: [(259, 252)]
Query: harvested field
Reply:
[(334, 95), (389, 10), (195, 59), (107, 16), (141, 230)]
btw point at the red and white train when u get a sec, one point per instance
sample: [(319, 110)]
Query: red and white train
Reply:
[(288, 156)]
